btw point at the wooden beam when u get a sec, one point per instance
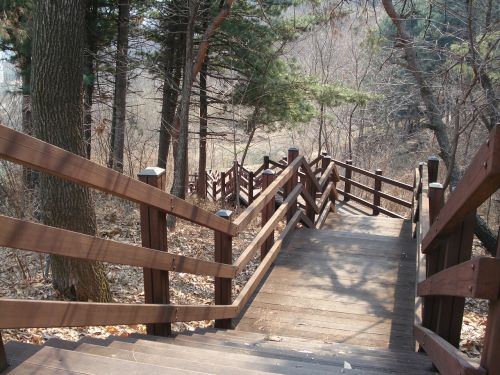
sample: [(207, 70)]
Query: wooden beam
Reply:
[(265, 197), (31, 152), (310, 175), (19, 234), (447, 358), (480, 181), (477, 278), (252, 248), (262, 269), (47, 314), (3, 357), (324, 215)]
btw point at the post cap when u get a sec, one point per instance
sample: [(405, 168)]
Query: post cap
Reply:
[(225, 214), (326, 156), (293, 148), (378, 171), (268, 172), (433, 158), (151, 171), (435, 185)]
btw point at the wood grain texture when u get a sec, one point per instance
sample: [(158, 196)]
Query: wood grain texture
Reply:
[(44, 239), (28, 151), (447, 358)]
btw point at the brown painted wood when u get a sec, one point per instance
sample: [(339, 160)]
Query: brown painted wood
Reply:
[(322, 217), (49, 240), (223, 192), (267, 212), (3, 356), (397, 200), (480, 181), (247, 255), (293, 153), (358, 185), (223, 254), (433, 168), (377, 186), (260, 272), (18, 313), (252, 211), (445, 357), (476, 278), (23, 149), (328, 167), (154, 236), (370, 205), (306, 169), (250, 187)]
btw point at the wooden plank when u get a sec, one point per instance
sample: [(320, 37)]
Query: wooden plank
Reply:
[(397, 200), (20, 313), (40, 238), (262, 269), (480, 181), (310, 201), (396, 183), (447, 358), (310, 175), (268, 177), (265, 197), (247, 255), (326, 175), (477, 278), (370, 205), (323, 216), (358, 184), (223, 254), (28, 151), (3, 356)]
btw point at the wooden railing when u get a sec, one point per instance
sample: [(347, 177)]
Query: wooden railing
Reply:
[(153, 256), (446, 272)]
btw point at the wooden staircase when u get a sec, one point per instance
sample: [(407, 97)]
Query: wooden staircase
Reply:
[(209, 352)]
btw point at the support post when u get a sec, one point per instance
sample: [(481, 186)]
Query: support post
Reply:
[(154, 236), (293, 153), (433, 168), (250, 187), (325, 162), (377, 187), (433, 260), (490, 359), (3, 356), (236, 182), (214, 190), (223, 186), (311, 189), (266, 162), (223, 254), (347, 182), (268, 176), (457, 249)]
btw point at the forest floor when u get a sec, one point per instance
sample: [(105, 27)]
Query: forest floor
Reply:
[(22, 276)]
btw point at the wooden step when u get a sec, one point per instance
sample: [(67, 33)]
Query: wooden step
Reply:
[(361, 359), (68, 361)]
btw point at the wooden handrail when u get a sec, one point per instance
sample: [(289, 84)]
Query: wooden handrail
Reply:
[(31, 152), (480, 181), (265, 197), (40, 238), (310, 175)]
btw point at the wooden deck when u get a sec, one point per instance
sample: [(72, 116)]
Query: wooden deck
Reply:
[(351, 282)]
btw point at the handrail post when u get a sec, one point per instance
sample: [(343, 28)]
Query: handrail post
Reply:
[(3, 356), (311, 189), (325, 162), (430, 308), (236, 181), (223, 254), (223, 186), (433, 168), (154, 236), (268, 176), (347, 183), (250, 187), (376, 196), (490, 359), (214, 190), (266, 162), (293, 153)]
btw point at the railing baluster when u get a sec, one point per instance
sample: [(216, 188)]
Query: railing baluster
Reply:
[(266, 162), (3, 356), (434, 261), (293, 153), (268, 177), (250, 187), (223, 254), (347, 183), (154, 236), (223, 186), (490, 359), (376, 196), (311, 189)]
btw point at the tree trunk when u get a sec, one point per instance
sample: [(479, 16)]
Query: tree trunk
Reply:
[(173, 51), (58, 34), (120, 97), (30, 176), (432, 111), (202, 163), (89, 72)]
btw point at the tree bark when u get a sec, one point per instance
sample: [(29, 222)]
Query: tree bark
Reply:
[(120, 97), (58, 35), (432, 112), (202, 162)]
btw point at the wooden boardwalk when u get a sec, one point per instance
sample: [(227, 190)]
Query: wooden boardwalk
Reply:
[(351, 282)]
